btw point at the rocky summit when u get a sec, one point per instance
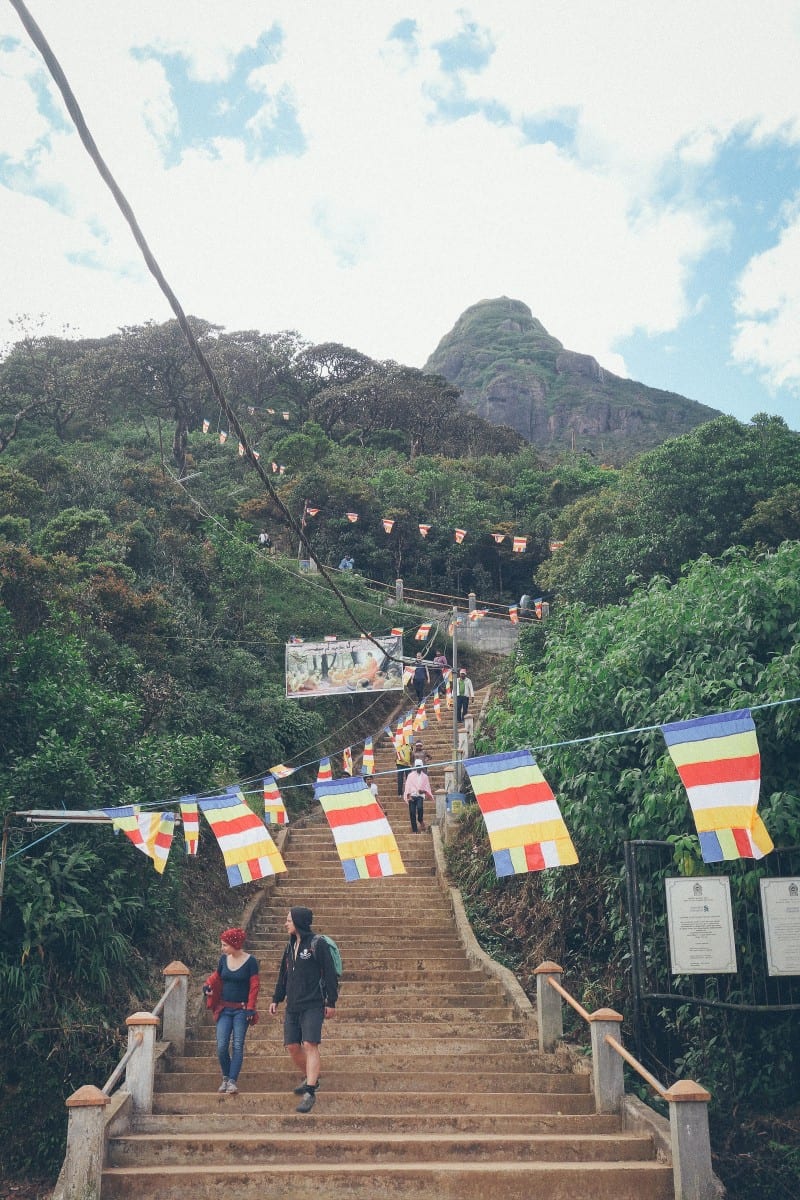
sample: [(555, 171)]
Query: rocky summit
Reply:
[(511, 371)]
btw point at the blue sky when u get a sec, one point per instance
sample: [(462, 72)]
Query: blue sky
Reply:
[(363, 172)]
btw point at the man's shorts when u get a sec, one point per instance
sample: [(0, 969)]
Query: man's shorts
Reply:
[(304, 1025)]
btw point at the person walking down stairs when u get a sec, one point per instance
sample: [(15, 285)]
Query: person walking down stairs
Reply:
[(308, 982), (232, 993), (418, 786)]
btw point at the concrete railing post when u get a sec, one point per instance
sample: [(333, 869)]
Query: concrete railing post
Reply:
[(173, 1025), (85, 1151), (398, 591), (607, 1072), (548, 1007), (472, 602), (691, 1144), (140, 1070)]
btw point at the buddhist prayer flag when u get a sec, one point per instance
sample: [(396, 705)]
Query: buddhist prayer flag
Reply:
[(424, 530), (388, 524), (437, 707), (150, 832), (408, 726), (719, 763), (397, 631), (247, 849), (407, 673), (281, 470), (241, 450), (251, 410), (364, 839), (523, 820), (271, 412), (460, 534), (421, 717), (513, 613), (286, 416), (519, 545), (223, 437), (368, 759), (281, 771), (423, 631), (190, 818), (274, 466), (477, 614), (555, 546), (347, 760), (312, 512), (448, 694), (206, 426), (274, 809), (499, 537), (352, 517), (538, 608), (325, 771)]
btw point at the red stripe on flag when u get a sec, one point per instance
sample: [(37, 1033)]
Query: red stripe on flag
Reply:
[(254, 865), (225, 826), (742, 842), (373, 866), (513, 797), (721, 770), (534, 857), (338, 817)]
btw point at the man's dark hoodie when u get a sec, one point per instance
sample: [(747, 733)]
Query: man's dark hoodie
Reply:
[(306, 978)]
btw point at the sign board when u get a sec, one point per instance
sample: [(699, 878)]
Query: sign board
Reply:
[(780, 907), (700, 918), (335, 668)]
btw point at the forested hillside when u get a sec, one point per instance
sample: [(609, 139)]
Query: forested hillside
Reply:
[(142, 631)]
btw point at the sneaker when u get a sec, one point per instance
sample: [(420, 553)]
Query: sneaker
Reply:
[(232, 1089), (307, 1103), (223, 1087), (300, 1090)]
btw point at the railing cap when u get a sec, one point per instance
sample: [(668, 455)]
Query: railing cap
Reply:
[(605, 1014), (87, 1096), (142, 1018), (176, 968), (686, 1089), (549, 968)]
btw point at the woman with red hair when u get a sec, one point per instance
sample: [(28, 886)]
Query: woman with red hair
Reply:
[(231, 993)]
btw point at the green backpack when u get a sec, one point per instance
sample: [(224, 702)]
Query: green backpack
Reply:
[(336, 956)]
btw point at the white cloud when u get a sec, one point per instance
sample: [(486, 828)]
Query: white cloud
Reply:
[(768, 308), (395, 219)]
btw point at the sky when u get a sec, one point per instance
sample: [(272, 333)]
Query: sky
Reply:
[(362, 171)]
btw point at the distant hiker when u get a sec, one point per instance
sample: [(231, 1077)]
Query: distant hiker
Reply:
[(402, 758), (347, 563), (421, 677), (373, 787), (441, 665), (265, 540), (418, 786), (464, 693), (308, 982), (231, 993)]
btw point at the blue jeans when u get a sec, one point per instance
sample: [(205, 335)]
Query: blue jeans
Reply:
[(231, 1021)]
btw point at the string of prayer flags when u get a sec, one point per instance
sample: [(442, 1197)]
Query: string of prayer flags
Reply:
[(519, 545), (513, 614), (424, 530), (364, 840), (325, 771), (368, 759), (206, 426), (460, 534), (523, 820), (347, 760), (247, 849), (352, 517), (423, 631), (274, 809), (719, 763), (388, 524), (190, 819)]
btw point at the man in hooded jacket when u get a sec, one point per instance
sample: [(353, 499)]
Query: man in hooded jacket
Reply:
[(308, 982)]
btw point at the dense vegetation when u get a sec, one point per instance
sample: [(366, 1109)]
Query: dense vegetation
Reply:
[(142, 634)]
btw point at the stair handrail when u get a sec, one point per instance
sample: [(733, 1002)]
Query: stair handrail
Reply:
[(91, 1110), (687, 1100)]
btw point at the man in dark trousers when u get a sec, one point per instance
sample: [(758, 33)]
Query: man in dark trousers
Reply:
[(308, 982)]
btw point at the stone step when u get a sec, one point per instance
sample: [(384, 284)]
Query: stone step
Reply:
[(364, 1082), (234, 1119), (260, 1149), (444, 1181), (416, 1030), (498, 1050), (270, 1056), (430, 1105)]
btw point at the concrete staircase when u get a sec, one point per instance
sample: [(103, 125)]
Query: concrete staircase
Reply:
[(432, 1083)]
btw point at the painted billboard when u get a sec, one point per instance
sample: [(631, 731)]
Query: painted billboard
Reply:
[(334, 667)]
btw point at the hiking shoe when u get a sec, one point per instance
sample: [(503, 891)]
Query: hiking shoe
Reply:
[(300, 1090), (232, 1089), (223, 1087), (307, 1103)]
